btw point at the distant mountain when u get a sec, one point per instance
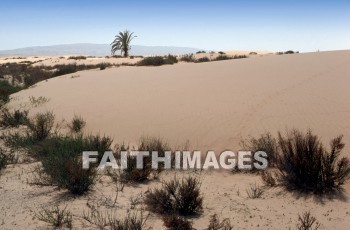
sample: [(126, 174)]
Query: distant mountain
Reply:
[(94, 50)]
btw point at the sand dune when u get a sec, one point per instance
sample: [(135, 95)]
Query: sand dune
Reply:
[(212, 105)]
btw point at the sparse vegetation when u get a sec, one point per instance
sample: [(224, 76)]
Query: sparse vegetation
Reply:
[(132, 173), (306, 166), (6, 89), (77, 124), (222, 53), (307, 222), (265, 142), (61, 160), (216, 224), (203, 59), (158, 61), (176, 196), (200, 52), (77, 58), (13, 119), (6, 158), (175, 222), (41, 126), (268, 178), (254, 191), (133, 221), (188, 58), (56, 217)]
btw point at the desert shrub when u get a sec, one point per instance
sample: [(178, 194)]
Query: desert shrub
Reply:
[(306, 166), (188, 58), (132, 173), (307, 222), (13, 119), (152, 61), (175, 222), (6, 89), (77, 124), (62, 160), (77, 57), (289, 52), (254, 191), (56, 217), (181, 197), (268, 178), (41, 126), (266, 143), (32, 75), (37, 101), (157, 61), (203, 59), (200, 52), (133, 221), (104, 65), (64, 69), (239, 56), (171, 59), (6, 158), (222, 57), (222, 53), (216, 224), (253, 53)]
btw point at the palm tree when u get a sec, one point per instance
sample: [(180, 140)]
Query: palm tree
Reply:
[(122, 43)]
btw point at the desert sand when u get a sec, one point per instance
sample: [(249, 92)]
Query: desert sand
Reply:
[(212, 106)]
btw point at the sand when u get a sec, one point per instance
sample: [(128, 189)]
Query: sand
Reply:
[(213, 106)]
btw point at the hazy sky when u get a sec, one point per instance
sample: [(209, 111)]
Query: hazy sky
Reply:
[(304, 25)]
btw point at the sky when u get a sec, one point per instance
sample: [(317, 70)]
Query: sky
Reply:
[(274, 25)]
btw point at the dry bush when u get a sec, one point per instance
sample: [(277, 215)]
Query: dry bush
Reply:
[(175, 222), (41, 125), (56, 217), (306, 166), (13, 119), (266, 143), (77, 124), (216, 224), (307, 222), (149, 144), (176, 196), (254, 191), (268, 178)]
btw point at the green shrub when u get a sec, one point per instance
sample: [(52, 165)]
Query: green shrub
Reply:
[(306, 166), (77, 124), (13, 119), (6, 89), (41, 126), (65, 69), (62, 160), (176, 196)]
